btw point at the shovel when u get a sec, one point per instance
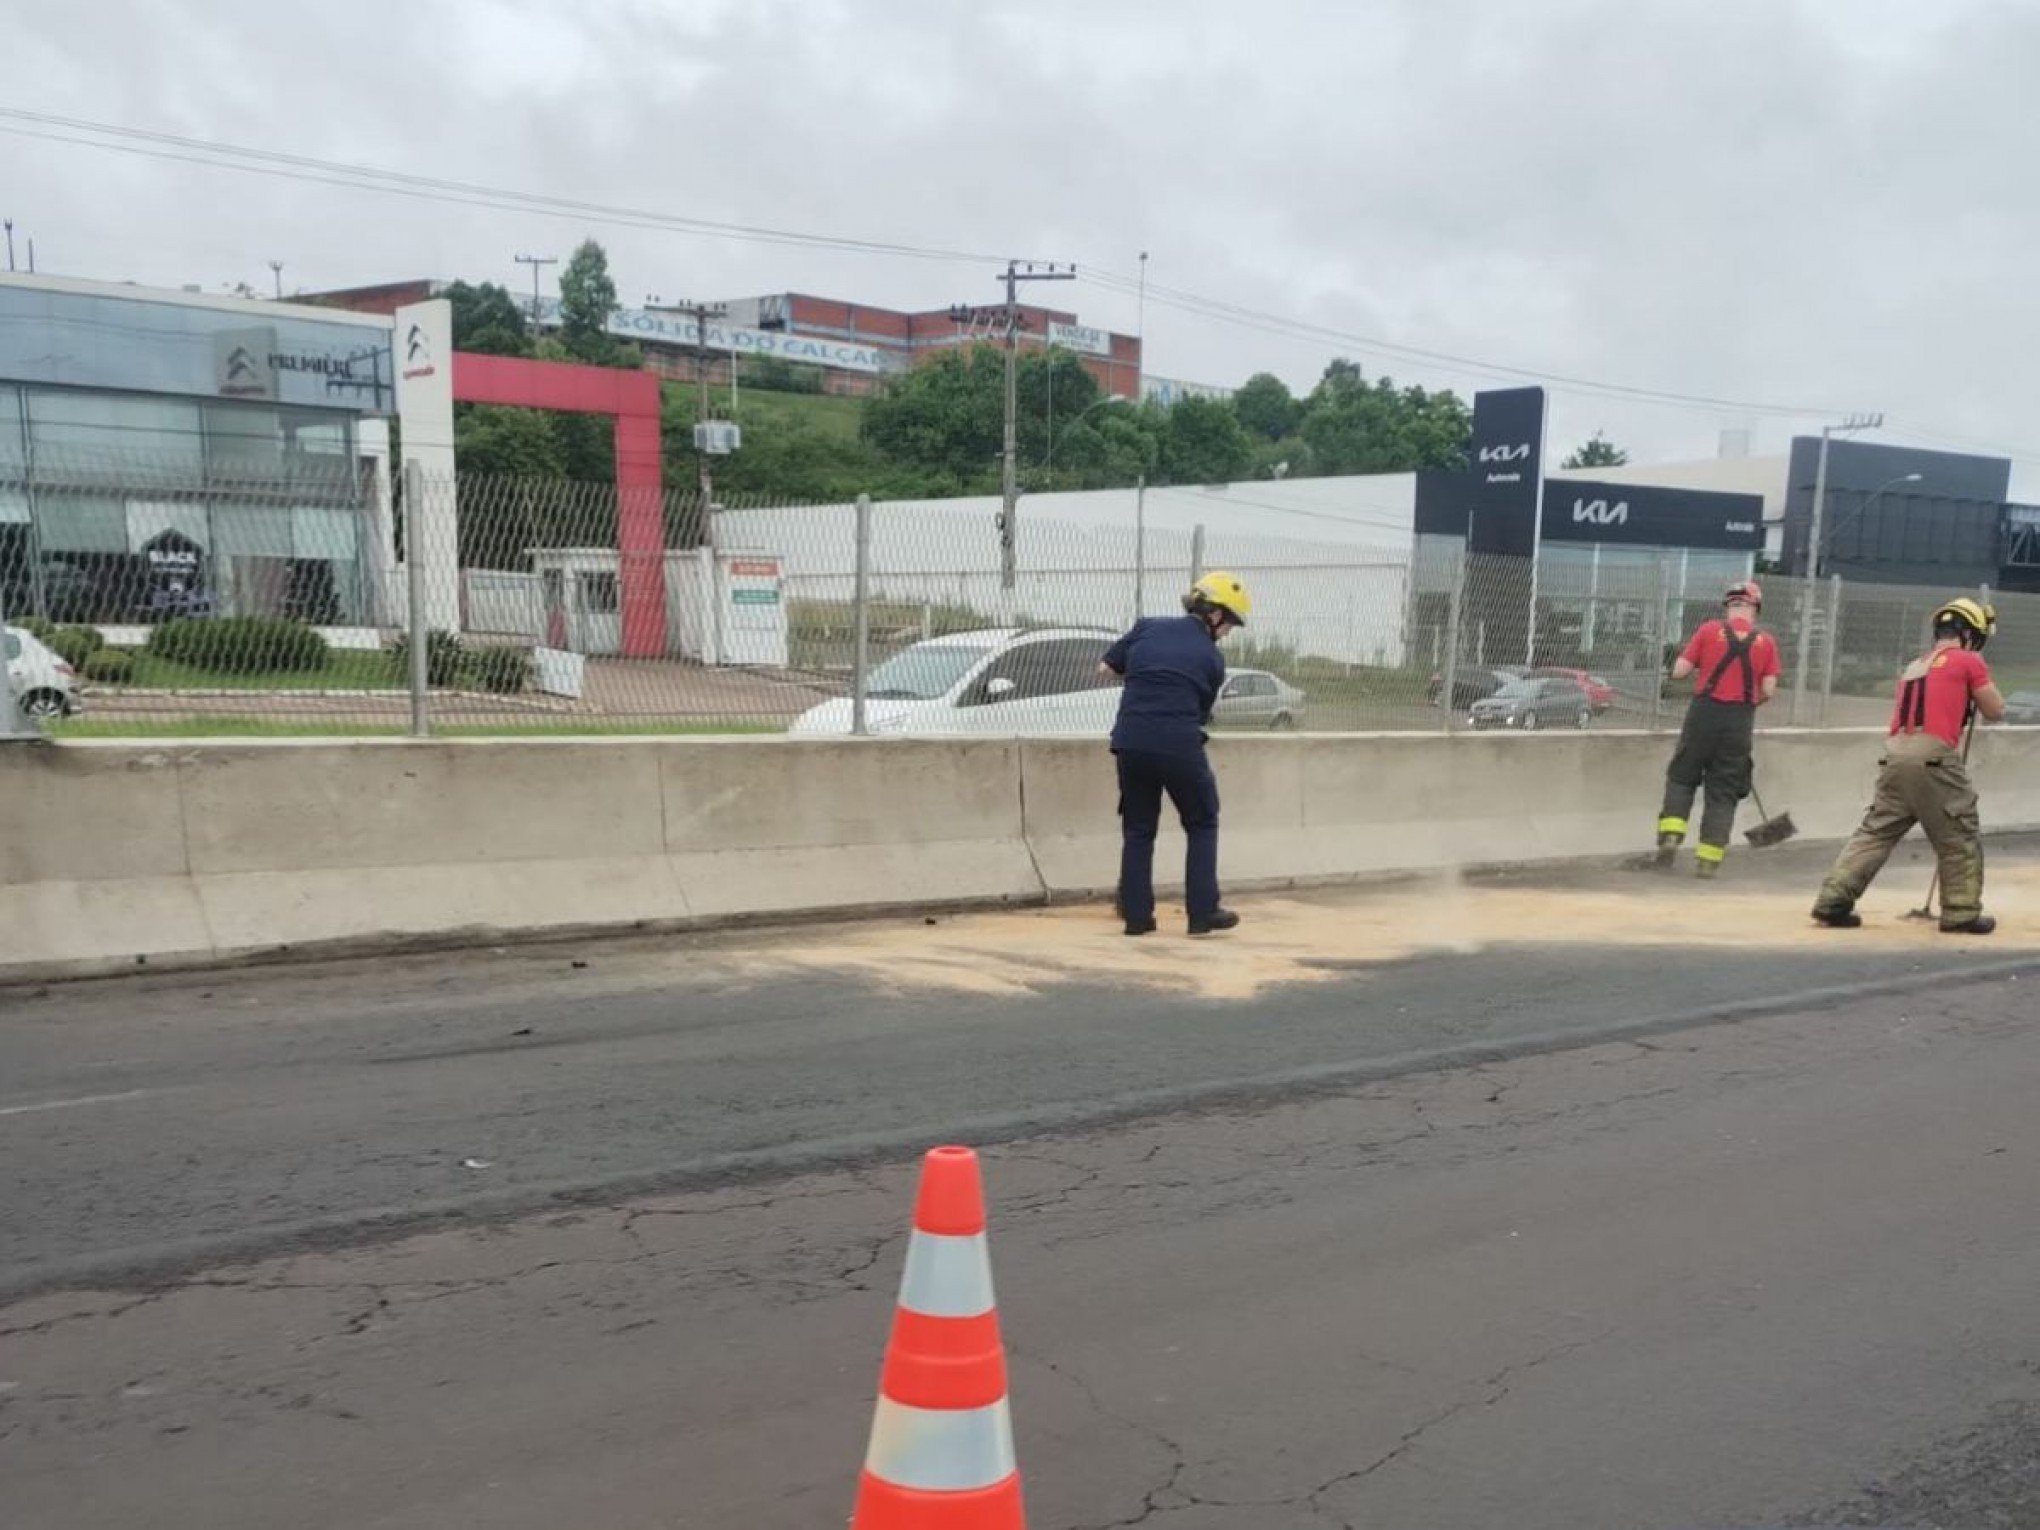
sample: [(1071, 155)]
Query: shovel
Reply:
[(1770, 831)]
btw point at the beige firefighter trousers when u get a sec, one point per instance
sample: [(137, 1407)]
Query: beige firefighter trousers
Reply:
[(1920, 780)]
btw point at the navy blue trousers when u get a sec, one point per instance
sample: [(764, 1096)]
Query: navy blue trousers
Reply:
[(1190, 785)]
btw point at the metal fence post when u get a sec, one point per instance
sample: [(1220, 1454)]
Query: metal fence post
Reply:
[(1197, 552), (1140, 547), (1658, 622), (14, 724), (1834, 641), (860, 653), (414, 580), (1446, 700)]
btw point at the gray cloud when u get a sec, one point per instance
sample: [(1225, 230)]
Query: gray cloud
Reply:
[(1815, 203)]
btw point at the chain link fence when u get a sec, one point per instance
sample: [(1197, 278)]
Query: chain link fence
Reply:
[(316, 596)]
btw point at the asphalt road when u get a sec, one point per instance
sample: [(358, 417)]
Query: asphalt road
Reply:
[(1358, 1219)]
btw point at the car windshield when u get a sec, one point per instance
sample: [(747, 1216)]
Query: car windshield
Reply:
[(1517, 690), (923, 672)]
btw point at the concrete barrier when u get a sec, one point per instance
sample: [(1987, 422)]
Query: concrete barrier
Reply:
[(112, 854), (1306, 809)]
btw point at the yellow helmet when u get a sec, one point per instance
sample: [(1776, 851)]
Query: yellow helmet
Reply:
[(1223, 591), (1978, 620)]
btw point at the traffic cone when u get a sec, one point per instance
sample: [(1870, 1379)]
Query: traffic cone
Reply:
[(941, 1452)]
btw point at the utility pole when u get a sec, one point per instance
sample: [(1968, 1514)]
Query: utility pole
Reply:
[(1802, 668), (1017, 271), (700, 313), (10, 245), (536, 262), (276, 267), (1140, 332)]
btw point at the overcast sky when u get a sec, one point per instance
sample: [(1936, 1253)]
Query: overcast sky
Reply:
[(1811, 203)]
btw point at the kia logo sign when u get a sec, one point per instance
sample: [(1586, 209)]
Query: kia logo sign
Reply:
[(1599, 512), (1518, 453)]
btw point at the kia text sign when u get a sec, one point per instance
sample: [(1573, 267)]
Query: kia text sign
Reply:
[(1650, 515), (1508, 465), (678, 329)]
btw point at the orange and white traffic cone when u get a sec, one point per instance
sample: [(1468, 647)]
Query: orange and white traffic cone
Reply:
[(941, 1453)]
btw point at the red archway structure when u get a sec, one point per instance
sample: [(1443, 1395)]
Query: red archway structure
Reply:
[(631, 399)]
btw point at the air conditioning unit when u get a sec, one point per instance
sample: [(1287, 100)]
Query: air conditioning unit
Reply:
[(718, 438)]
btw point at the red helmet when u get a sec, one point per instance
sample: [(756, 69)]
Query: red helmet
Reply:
[(1748, 592)]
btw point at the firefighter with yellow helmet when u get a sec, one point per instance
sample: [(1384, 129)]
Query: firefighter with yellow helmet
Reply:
[(1924, 778), (1173, 672)]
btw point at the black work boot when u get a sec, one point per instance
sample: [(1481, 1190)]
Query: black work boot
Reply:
[(1140, 926), (1982, 924), (1211, 923), (1837, 916), (1667, 850)]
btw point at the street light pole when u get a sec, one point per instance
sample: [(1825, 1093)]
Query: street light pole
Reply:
[(1862, 511), (1071, 424), (1803, 667)]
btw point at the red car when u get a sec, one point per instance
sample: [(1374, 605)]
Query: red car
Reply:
[(1600, 694)]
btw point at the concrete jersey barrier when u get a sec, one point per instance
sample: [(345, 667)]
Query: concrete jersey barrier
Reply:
[(117, 853)]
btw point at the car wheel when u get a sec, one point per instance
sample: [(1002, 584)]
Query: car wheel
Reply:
[(1529, 722), (43, 706), (1583, 719), (1282, 723)]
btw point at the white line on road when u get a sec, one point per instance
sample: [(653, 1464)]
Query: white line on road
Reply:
[(83, 1099)]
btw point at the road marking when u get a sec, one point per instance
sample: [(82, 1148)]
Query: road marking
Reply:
[(83, 1099)]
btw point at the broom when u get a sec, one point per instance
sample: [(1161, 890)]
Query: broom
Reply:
[(1769, 831)]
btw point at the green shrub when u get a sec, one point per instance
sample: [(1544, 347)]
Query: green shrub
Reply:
[(74, 645), (502, 671), (446, 659), (240, 645), (40, 628), (110, 666)]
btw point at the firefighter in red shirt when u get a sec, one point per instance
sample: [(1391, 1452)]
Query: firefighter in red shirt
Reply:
[(1735, 669), (1922, 778)]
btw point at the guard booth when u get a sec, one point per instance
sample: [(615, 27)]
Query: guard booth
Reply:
[(580, 599), (726, 608)]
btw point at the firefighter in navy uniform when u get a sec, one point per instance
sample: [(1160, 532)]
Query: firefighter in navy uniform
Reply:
[(1735, 668), (1922, 778), (1173, 671)]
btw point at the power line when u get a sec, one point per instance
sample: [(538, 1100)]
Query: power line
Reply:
[(214, 154), (1238, 314), (219, 155)]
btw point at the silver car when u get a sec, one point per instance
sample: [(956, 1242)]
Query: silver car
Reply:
[(2023, 708), (1253, 698)]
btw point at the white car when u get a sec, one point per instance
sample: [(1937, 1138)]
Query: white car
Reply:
[(997, 682), (44, 684)]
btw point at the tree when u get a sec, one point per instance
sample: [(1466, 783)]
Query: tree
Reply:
[(1352, 426), (1597, 451), (587, 299), (1203, 441), (487, 321), (1266, 407)]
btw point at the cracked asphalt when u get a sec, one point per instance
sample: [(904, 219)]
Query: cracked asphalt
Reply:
[(501, 1240)]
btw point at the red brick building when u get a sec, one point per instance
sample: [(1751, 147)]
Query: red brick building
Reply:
[(854, 345)]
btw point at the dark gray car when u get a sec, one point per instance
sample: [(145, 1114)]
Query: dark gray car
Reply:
[(1530, 704)]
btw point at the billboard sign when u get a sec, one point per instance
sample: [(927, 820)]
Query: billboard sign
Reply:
[(1081, 337), (1649, 515), (724, 338), (1508, 469)]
